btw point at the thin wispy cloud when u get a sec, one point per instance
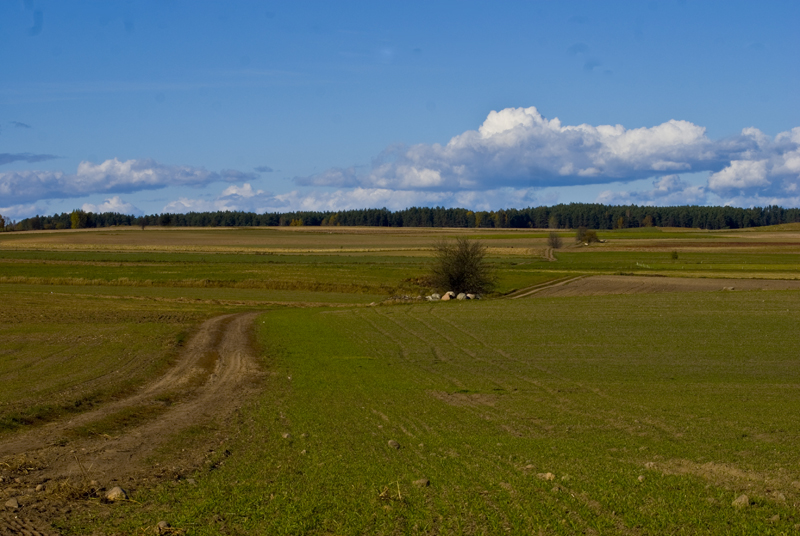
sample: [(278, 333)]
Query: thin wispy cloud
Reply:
[(7, 158)]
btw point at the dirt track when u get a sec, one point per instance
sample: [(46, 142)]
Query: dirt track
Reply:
[(622, 284), (214, 376)]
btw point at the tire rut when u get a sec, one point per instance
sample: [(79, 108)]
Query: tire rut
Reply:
[(215, 374)]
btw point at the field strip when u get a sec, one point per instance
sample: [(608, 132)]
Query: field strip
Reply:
[(612, 417), (176, 248), (514, 293), (212, 301), (545, 286), (218, 370), (599, 285)]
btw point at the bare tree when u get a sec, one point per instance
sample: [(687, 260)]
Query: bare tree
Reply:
[(554, 240), (460, 265)]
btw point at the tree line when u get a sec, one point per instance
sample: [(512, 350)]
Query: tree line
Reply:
[(563, 216)]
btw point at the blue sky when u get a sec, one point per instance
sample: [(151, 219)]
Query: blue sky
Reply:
[(146, 107)]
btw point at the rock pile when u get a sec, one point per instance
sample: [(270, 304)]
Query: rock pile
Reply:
[(450, 295)]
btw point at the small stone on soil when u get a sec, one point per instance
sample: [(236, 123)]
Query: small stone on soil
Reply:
[(286, 435), (12, 503), (394, 444), (641, 478), (116, 494), (741, 501), (547, 476), (40, 487), (422, 483), (162, 527)]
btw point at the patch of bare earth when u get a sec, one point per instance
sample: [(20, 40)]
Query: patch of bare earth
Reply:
[(599, 285), (48, 472), (780, 487)]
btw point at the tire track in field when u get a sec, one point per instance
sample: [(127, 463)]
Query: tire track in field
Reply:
[(500, 471), (420, 366), (405, 356), (482, 411), (529, 291), (217, 372), (642, 411)]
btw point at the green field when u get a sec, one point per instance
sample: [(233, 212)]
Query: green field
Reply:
[(486, 398), (616, 414)]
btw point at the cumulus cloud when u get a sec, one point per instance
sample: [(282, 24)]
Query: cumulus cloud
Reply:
[(770, 171), (232, 198), (519, 148), (113, 204), (667, 191), (7, 158), (23, 211), (245, 198), (111, 176)]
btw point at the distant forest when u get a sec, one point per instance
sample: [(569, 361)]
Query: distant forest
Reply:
[(571, 216)]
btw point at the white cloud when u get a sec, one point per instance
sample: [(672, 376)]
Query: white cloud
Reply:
[(667, 191), (244, 198), (741, 174), (244, 191), (506, 161), (17, 212), (113, 204), (518, 148), (111, 176)]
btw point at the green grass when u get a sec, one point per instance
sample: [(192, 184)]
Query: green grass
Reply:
[(485, 396), (708, 264), (63, 354), (348, 274)]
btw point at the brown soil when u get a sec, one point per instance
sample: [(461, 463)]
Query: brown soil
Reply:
[(621, 284), (215, 375), (778, 487)]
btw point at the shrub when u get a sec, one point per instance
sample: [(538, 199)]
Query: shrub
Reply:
[(586, 235), (554, 240), (460, 265)]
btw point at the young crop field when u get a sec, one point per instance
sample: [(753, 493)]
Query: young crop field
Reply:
[(617, 415), (290, 381)]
